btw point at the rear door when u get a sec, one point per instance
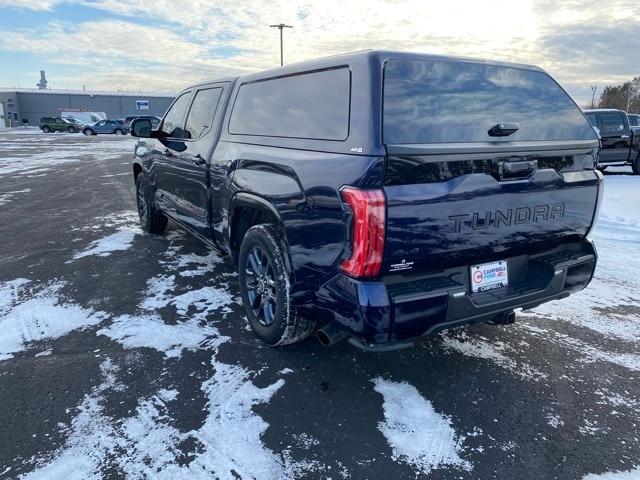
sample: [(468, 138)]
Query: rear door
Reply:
[(616, 137), (461, 189)]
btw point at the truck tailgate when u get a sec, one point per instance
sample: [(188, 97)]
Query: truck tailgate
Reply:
[(451, 211)]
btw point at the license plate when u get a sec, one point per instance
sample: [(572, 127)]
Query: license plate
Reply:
[(489, 276)]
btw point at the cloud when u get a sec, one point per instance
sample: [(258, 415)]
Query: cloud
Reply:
[(160, 45), (30, 4)]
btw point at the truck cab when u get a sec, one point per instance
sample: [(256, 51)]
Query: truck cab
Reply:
[(380, 196)]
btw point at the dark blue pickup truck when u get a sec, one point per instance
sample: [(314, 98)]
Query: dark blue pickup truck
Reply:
[(380, 196)]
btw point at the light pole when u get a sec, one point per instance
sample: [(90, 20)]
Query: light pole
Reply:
[(280, 27), (593, 95)]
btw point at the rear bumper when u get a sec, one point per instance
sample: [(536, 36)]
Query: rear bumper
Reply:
[(391, 312)]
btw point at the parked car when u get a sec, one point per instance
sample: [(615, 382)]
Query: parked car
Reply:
[(86, 118), (634, 119), (155, 120), (115, 127), (620, 142), (378, 195), (58, 124)]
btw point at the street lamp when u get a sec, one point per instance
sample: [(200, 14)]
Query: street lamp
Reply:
[(593, 95), (280, 27)]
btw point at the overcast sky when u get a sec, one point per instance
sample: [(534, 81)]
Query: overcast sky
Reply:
[(167, 44)]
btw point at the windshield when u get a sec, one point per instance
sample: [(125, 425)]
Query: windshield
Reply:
[(456, 101)]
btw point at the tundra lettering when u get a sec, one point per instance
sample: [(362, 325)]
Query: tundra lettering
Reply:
[(460, 191), (506, 218)]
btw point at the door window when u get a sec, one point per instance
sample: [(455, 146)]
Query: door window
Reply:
[(202, 113), (173, 123), (612, 122)]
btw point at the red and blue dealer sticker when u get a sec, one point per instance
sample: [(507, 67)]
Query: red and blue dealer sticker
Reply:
[(489, 276)]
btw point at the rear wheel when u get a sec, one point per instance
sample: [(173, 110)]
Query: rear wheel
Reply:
[(152, 220), (265, 289), (87, 131), (118, 132), (46, 129), (636, 165)]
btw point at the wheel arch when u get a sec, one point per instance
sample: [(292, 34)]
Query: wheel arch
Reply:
[(247, 210)]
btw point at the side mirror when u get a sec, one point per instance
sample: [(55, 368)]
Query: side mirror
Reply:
[(141, 127)]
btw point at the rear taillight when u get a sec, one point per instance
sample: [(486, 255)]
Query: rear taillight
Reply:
[(367, 231)]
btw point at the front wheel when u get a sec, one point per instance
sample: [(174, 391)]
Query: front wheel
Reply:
[(71, 130), (87, 131), (266, 291), (152, 220), (117, 132)]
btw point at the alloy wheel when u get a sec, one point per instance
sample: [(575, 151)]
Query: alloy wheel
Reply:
[(142, 203), (261, 286)]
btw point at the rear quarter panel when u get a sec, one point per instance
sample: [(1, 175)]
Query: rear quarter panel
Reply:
[(303, 186)]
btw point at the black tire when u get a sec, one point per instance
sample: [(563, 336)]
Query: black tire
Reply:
[(71, 130), (152, 220), (117, 131), (46, 129), (636, 166), (265, 290), (88, 131)]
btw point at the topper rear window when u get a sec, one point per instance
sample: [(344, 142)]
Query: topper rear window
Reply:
[(457, 101)]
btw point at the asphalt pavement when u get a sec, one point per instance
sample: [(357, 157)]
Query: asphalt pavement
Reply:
[(128, 355)]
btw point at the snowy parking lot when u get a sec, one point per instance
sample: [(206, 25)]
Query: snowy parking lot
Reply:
[(125, 355)]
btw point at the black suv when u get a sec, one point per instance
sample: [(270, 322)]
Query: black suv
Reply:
[(380, 196)]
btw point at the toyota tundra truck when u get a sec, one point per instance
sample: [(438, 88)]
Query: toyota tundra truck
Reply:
[(380, 196)]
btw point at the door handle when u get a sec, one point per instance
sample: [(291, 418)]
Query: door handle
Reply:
[(198, 159)]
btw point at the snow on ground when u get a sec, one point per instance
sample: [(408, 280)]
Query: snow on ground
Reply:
[(146, 445), (416, 433), (32, 153), (22, 131), (6, 197), (195, 309), (27, 317), (625, 475), (127, 218), (478, 346), (119, 241), (150, 331)]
